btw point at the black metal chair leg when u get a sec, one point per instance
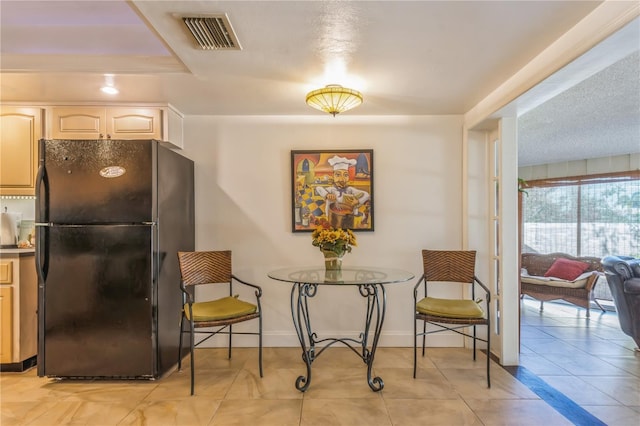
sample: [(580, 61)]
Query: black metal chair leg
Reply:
[(230, 334), (474, 342), (180, 343), (415, 347), (599, 305), (192, 357), (260, 344), (488, 354)]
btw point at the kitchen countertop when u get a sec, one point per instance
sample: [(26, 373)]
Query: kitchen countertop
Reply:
[(18, 251)]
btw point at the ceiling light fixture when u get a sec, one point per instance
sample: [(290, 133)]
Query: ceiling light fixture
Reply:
[(334, 99)]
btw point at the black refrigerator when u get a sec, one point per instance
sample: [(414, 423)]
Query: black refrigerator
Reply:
[(111, 216)]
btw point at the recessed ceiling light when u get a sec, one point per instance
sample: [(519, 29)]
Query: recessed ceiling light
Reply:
[(110, 90), (108, 87)]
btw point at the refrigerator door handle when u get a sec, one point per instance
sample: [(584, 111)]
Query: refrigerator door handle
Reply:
[(42, 215), (42, 188), (42, 264)]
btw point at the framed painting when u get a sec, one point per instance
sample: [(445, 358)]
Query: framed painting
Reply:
[(334, 187)]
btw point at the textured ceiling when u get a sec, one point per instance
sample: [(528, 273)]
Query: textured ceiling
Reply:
[(407, 57), (598, 117)]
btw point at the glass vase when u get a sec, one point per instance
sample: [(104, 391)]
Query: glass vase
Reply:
[(332, 261)]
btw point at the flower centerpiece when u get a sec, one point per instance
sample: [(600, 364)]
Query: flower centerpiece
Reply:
[(333, 243)]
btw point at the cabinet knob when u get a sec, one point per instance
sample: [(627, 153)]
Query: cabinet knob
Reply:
[(101, 136)]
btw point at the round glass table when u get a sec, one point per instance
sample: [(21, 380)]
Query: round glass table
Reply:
[(369, 281)]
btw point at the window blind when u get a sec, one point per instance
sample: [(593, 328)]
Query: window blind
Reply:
[(583, 216)]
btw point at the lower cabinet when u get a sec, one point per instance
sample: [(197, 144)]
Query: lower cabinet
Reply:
[(6, 318), (18, 311)]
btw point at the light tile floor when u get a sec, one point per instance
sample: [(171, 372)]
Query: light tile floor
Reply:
[(594, 365), (590, 361)]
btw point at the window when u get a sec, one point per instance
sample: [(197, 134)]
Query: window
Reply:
[(596, 215)]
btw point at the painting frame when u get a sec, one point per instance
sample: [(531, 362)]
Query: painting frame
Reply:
[(332, 187)]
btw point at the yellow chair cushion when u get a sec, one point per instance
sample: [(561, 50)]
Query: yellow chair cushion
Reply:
[(225, 308), (450, 308)]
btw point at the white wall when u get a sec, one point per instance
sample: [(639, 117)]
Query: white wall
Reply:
[(243, 203)]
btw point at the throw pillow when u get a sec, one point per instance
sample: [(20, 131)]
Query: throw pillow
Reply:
[(566, 269)]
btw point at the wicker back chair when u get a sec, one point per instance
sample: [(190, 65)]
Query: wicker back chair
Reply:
[(450, 268), (213, 268)]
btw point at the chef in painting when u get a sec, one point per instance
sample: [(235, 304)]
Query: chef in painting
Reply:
[(342, 200)]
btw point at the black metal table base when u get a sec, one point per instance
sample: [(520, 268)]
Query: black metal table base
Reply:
[(376, 304)]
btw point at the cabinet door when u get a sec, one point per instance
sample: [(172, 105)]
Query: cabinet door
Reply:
[(134, 123), (6, 321), (28, 317), (6, 272), (106, 123), (78, 123), (20, 130)]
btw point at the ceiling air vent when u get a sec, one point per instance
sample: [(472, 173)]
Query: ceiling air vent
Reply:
[(213, 32)]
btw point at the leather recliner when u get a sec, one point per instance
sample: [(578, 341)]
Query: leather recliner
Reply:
[(623, 277)]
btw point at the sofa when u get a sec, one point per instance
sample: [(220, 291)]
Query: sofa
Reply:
[(560, 276), (623, 278)]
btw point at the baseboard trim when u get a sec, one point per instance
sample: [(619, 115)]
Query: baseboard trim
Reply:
[(16, 367)]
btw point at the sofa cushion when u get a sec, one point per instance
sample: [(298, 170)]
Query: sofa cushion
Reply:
[(635, 267), (580, 282), (632, 286), (566, 269)]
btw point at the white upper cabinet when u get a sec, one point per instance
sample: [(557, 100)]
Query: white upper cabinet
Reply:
[(87, 122)]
